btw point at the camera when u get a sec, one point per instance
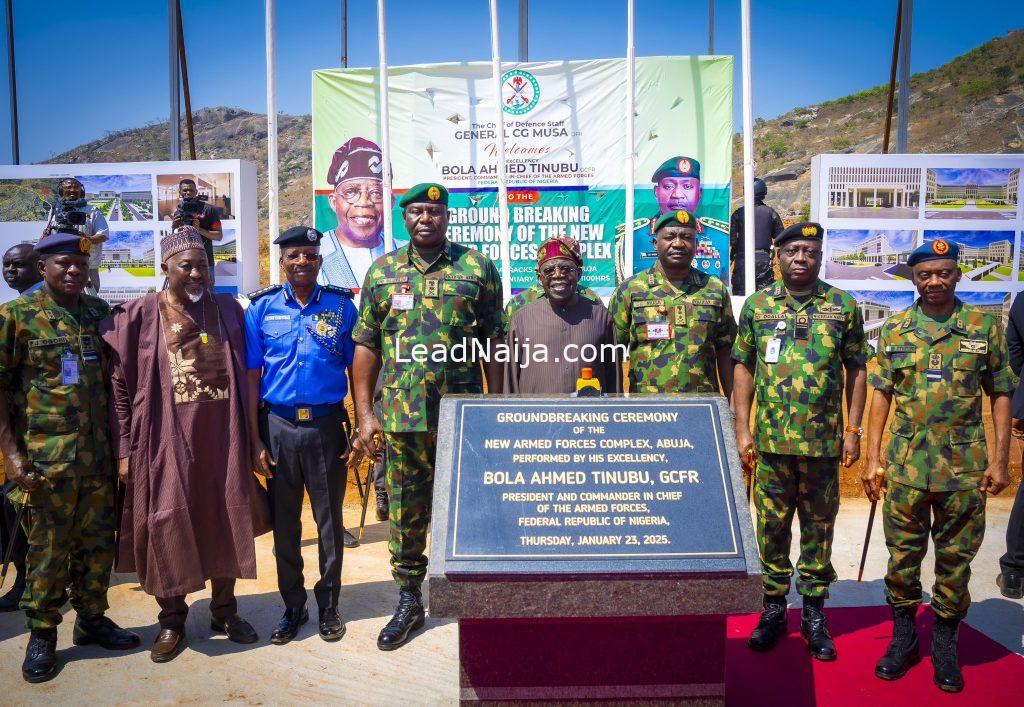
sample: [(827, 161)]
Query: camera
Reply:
[(191, 206), (70, 214)]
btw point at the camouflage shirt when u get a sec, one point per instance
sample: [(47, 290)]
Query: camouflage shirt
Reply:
[(800, 396), (534, 292), (938, 439), (60, 425), (406, 302), (672, 334)]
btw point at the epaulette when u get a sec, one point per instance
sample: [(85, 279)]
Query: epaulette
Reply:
[(253, 296), (343, 291)]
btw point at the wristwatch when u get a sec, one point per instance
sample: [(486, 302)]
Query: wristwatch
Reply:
[(859, 431)]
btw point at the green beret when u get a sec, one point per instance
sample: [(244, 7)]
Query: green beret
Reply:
[(807, 231), (426, 193), (676, 218), (677, 167)]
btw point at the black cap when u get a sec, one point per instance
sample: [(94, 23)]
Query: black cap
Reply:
[(806, 231), (299, 235)]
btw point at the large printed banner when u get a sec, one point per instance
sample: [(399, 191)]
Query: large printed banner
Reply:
[(876, 209), (136, 201), (565, 152)]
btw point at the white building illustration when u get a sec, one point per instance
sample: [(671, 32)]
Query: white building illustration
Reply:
[(885, 187)]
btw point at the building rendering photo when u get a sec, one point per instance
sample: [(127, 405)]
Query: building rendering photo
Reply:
[(989, 193), (874, 192)]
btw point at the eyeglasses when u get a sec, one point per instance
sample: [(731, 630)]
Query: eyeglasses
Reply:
[(793, 251), (352, 194), (550, 270)]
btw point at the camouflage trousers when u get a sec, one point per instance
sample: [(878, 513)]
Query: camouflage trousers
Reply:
[(956, 522), (808, 486), (410, 481), (70, 529)]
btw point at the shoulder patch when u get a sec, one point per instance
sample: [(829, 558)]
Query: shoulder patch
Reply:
[(253, 296), (974, 346), (343, 291)]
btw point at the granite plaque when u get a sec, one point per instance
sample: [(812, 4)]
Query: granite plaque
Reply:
[(538, 486)]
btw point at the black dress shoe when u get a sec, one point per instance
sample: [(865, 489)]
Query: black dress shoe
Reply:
[(12, 599), (331, 627), (102, 631), (772, 625), (903, 652), (237, 629), (408, 617), (40, 655), (945, 659), (814, 629), (1011, 585), (349, 540), (288, 627), (383, 507)]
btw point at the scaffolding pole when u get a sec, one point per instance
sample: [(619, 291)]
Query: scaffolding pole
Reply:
[(748, 151), (273, 222), (174, 85), (506, 266), (630, 167)]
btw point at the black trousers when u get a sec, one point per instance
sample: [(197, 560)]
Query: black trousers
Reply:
[(307, 456), (764, 273), (1013, 560), (10, 534), (223, 605)]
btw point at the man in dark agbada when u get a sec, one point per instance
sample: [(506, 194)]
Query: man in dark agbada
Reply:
[(54, 437)]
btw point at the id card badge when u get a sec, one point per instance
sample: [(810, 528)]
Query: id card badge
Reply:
[(772, 350), (69, 368), (657, 331), (87, 346), (402, 300)]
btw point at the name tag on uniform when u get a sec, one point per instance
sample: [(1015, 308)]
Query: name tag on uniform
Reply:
[(772, 350), (657, 330), (402, 300), (69, 368)]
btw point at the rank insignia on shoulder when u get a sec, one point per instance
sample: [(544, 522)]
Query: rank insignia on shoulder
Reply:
[(974, 346), (253, 296), (343, 291)]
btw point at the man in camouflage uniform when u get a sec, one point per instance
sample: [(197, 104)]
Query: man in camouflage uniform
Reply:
[(54, 436), (535, 291), (795, 339), (676, 320), (935, 359), (435, 293)]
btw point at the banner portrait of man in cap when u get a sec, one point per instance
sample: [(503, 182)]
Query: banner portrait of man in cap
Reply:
[(357, 199)]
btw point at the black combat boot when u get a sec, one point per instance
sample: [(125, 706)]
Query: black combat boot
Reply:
[(102, 631), (772, 625), (903, 652), (382, 504), (408, 617), (945, 660), (40, 655), (12, 599), (814, 629)]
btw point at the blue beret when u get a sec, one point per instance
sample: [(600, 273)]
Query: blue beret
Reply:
[(299, 235), (426, 193), (939, 249), (62, 243), (677, 218), (805, 231), (677, 167)]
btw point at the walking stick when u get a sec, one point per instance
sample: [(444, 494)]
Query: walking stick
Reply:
[(867, 536)]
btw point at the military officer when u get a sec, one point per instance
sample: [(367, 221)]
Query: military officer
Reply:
[(437, 293), (54, 437), (935, 360), (298, 340), (536, 291), (795, 339), (676, 320)]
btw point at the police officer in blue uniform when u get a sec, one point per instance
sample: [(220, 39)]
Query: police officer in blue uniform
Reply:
[(298, 348)]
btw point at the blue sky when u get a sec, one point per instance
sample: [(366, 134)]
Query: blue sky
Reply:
[(981, 297), (895, 299), (846, 239), (804, 52), (116, 182), (971, 238), (981, 177), (137, 241)]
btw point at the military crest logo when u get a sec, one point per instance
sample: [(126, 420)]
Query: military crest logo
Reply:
[(520, 92), (433, 193), (940, 247)]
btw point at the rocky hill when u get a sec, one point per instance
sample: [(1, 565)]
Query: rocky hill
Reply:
[(975, 103)]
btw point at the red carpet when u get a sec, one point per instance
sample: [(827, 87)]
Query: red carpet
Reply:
[(789, 676)]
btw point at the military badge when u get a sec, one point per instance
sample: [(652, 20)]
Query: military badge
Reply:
[(682, 217), (84, 245), (683, 165), (433, 193), (326, 332), (311, 235), (974, 346), (940, 247), (431, 287), (809, 231)]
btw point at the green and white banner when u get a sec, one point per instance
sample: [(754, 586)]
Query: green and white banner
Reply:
[(565, 154)]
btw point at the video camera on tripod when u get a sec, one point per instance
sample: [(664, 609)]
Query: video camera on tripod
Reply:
[(191, 207), (69, 215)]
